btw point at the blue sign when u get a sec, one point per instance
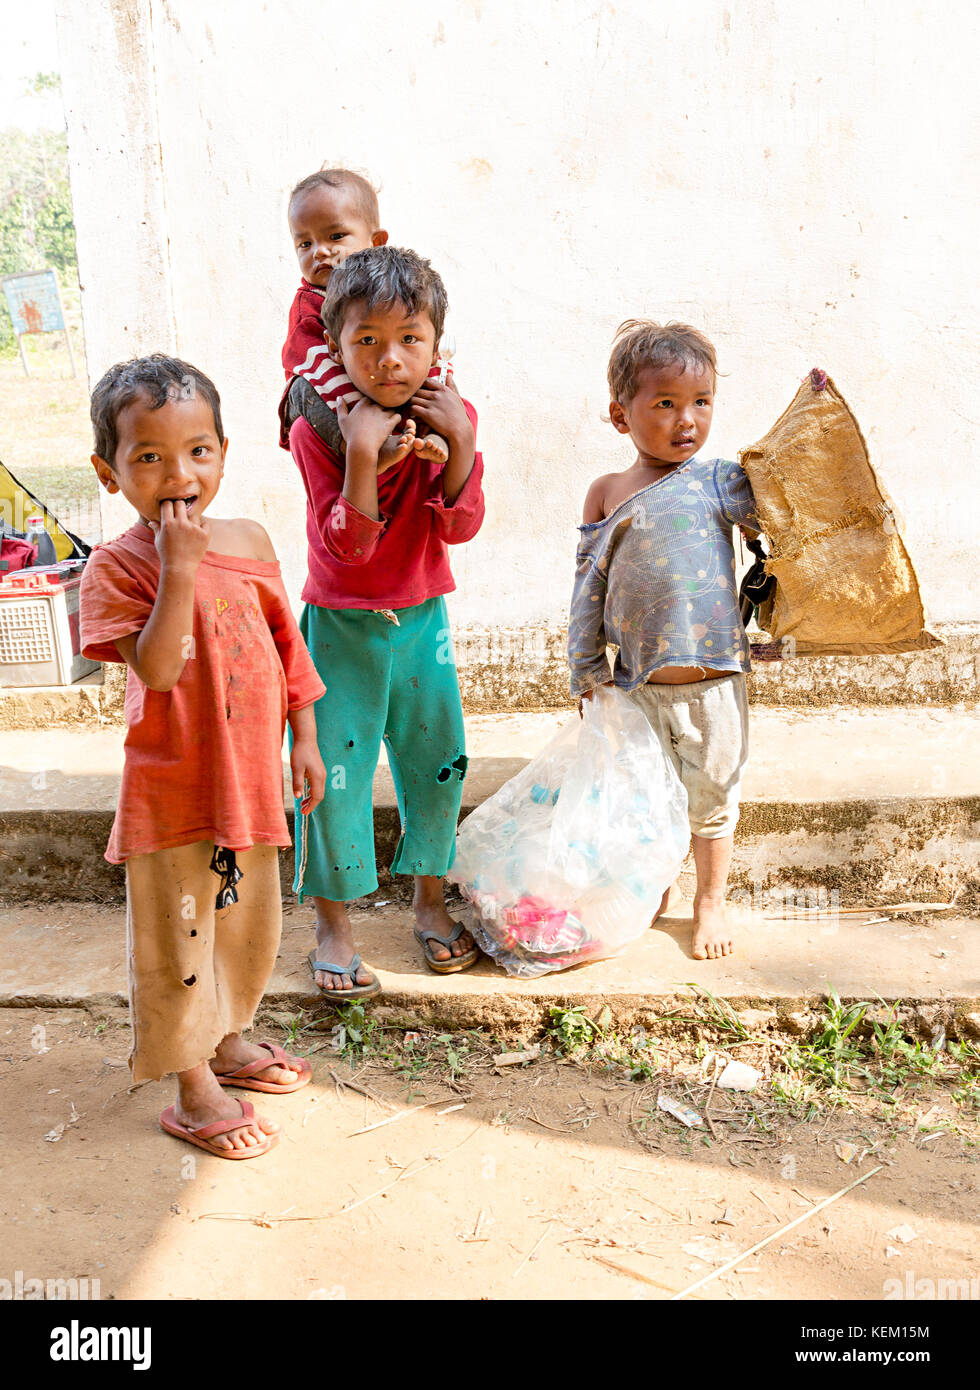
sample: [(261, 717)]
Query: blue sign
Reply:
[(34, 302)]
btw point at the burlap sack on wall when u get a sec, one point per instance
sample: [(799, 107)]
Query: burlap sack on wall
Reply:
[(845, 583)]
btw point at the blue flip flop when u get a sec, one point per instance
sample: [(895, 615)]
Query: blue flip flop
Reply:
[(344, 996)]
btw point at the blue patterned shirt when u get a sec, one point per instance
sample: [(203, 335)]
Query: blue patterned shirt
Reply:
[(656, 578)]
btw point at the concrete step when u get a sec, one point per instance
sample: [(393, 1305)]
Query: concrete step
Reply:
[(872, 804), (74, 955)]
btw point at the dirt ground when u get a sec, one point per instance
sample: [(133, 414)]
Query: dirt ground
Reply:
[(547, 1181)]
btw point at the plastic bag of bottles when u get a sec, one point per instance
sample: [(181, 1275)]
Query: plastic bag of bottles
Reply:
[(569, 860)]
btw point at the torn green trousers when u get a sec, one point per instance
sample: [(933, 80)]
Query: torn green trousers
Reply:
[(391, 681)]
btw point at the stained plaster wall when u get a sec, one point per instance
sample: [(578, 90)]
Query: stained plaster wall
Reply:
[(794, 182)]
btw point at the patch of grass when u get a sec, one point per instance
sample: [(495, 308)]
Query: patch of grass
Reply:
[(636, 1054), (796, 1096), (45, 434), (838, 1063), (851, 1062), (457, 1052), (719, 1014), (292, 1030), (359, 1037), (967, 1093), (901, 1059), (833, 1057), (574, 1035)]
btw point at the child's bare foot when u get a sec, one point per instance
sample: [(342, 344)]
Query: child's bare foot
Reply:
[(436, 918), (670, 899), (335, 942), (234, 1052), (201, 1102), (434, 447), (431, 915), (713, 937), (397, 446)]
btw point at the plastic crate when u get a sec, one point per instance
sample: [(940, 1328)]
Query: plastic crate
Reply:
[(39, 639)]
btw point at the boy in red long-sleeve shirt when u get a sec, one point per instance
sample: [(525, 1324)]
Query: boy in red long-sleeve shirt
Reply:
[(379, 521)]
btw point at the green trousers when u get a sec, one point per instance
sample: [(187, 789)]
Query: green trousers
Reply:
[(395, 682)]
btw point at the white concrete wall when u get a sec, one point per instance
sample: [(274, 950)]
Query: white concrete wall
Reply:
[(794, 179)]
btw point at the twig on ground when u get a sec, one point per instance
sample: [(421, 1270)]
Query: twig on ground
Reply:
[(401, 1115), (362, 1090), (632, 1274), (813, 912), (537, 1244), (707, 1105), (684, 1293), (554, 1128), (759, 1197), (405, 1172), (476, 1238)]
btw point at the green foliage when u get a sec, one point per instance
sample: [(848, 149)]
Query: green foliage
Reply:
[(832, 1056), (37, 226), (43, 82), (356, 1031), (837, 1060), (718, 1013), (900, 1058), (594, 1041), (570, 1029)]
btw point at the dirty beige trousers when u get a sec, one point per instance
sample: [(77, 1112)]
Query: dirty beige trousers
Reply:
[(196, 974)]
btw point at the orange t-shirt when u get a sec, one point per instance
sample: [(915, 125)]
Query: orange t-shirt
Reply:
[(203, 760)]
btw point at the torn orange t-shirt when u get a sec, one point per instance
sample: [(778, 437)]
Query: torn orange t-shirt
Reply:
[(203, 760)]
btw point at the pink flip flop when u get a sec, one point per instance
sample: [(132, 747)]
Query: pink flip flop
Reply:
[(245, 1076), (202, 1136)]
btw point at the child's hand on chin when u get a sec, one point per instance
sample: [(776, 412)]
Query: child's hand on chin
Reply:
[(181, 540)]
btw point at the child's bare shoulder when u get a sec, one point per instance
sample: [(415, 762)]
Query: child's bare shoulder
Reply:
[(242, 538), (596, 505), (610, 491)]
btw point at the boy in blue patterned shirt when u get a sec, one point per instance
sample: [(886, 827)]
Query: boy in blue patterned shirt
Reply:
[(655, 576)]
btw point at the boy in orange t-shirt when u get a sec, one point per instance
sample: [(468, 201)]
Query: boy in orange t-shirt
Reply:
[(196, 608)]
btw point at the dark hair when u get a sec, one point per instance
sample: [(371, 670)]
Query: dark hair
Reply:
[(156, 379), (382, 276), (642, 343), (363, 194)]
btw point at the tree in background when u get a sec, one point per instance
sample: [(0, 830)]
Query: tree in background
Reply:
[(37, 226)]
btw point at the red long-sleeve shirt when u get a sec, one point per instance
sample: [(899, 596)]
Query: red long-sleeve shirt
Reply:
[(398, 561)]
